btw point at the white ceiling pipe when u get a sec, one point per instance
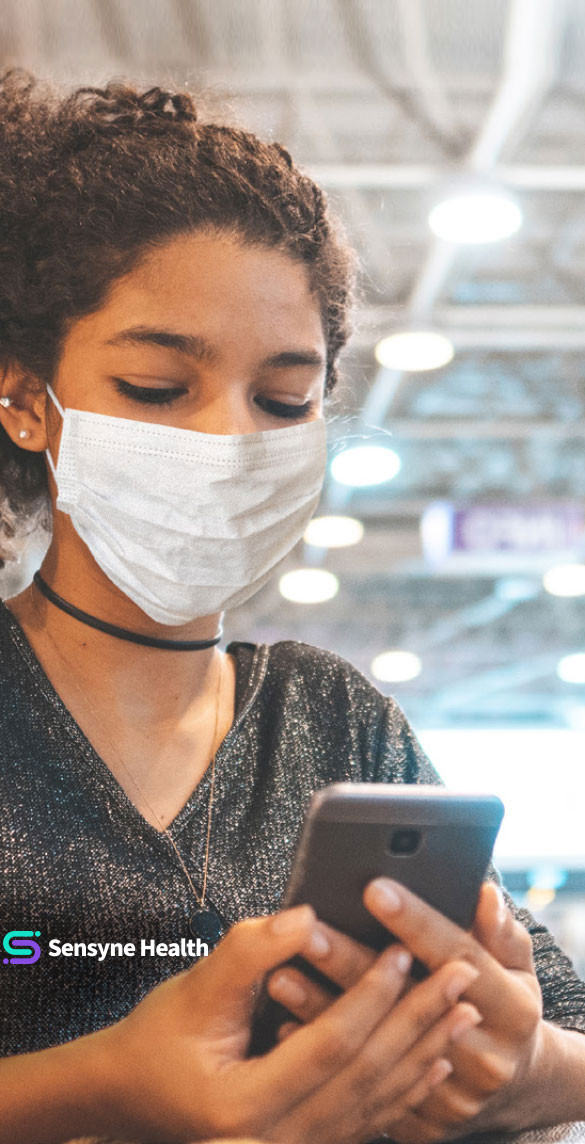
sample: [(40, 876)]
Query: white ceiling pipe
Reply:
[(394, 176), (530, 63)]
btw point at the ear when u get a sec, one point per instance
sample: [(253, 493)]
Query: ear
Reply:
[(24, 419)]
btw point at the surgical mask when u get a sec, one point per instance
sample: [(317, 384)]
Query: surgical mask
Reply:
[(186, 523)]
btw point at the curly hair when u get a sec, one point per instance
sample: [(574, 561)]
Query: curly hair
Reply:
[(89, 180)]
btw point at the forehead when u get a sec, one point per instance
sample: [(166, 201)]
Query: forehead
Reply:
[(219, 287)]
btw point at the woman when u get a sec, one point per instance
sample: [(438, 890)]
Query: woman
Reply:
[(174, 298)]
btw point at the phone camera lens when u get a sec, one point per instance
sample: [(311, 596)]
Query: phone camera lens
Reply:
[(404, 842)]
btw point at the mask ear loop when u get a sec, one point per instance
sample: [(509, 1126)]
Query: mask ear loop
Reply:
[(56, 402)]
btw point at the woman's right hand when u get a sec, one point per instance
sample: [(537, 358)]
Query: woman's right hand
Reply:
[(175, 1069)]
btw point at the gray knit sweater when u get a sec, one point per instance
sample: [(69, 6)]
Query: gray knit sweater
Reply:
[(79, 863)]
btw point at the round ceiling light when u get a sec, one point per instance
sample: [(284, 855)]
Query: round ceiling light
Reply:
[(396, 666), (414, 351), (333, 531), (308, 585), (565, 580), (476, 217), (571, 669), (365, 465)]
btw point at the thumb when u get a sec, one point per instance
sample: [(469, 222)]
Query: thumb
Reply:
[(497, 930)]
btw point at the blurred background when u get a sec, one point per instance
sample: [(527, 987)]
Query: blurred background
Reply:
[(450, 137)]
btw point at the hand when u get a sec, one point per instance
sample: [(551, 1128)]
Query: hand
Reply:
[(176, 1066), (490, 1084)]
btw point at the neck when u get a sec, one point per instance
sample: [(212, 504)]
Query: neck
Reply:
[(141, 683)]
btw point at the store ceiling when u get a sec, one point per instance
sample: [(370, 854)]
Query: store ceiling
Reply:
[(385, 100)]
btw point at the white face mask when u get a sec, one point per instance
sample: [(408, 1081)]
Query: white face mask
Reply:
[(186, 523)]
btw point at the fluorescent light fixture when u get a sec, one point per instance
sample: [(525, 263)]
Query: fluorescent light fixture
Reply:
[(396, 666), (415, 350), (476, 217), (308, 585), (571, 669), (363, 465), (333, 531), (565, 580)]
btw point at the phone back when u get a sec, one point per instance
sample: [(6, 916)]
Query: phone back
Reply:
[(436, 843)]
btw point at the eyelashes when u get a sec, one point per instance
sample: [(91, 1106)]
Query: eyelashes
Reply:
[(165, 396), (145, 394)]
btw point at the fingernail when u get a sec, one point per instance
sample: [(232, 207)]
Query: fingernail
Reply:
[(466, 1021), (319, 944), (384, 895), (403, 960), (288, 920), (440, 1070), (460, 983), (286, 989)]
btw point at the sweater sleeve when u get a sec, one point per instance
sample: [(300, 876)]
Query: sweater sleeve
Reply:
[(399, 757)]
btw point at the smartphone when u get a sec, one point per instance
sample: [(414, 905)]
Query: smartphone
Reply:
[(435, 842)]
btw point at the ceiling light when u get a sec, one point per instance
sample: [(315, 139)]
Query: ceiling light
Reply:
[(415, 350), (476, 217), (565, 580), (333, 531), (364, 465), (308, 585), (575, 718), (396, 666), (571, 668)]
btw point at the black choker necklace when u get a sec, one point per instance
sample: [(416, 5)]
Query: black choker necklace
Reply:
[(121, 633)]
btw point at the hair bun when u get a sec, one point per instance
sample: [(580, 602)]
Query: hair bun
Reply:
[(121, 105)]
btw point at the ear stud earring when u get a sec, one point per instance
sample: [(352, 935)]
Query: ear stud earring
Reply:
[(23, 433), (5, 401)]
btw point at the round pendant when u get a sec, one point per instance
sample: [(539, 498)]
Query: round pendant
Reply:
[(206, 925)]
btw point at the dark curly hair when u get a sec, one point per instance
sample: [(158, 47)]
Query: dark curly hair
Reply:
[(88, 181)]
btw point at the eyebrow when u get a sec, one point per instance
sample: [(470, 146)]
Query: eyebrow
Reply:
[(201, 350)]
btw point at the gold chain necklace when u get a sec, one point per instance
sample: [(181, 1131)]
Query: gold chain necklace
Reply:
[(204, 923)]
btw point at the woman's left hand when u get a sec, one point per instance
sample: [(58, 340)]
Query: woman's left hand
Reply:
[(496, 1064)]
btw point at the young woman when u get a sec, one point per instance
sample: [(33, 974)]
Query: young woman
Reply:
[(173, 300)]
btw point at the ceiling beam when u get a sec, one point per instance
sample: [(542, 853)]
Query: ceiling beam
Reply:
[(409, 176), (485, 327)]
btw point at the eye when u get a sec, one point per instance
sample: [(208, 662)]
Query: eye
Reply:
[(282, 409), (146, 394)]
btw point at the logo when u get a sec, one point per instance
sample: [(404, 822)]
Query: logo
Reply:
[(19, 943)]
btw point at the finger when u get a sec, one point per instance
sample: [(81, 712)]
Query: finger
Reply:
[(375, 1086), (347, 959), (429, 1063), (429, 1017), (305, 999), (319, 1050), (434, 1076), (286, 1029), (434, 939), (249, 949), (498, 931)]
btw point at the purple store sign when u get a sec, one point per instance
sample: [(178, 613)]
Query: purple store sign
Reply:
[(500, 528)]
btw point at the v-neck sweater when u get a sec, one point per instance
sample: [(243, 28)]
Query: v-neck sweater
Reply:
[(79, 863)]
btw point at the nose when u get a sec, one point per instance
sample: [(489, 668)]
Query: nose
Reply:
[(229, 412)]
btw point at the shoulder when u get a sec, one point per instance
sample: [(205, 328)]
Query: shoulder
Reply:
[(340, 702), (326, 673)]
